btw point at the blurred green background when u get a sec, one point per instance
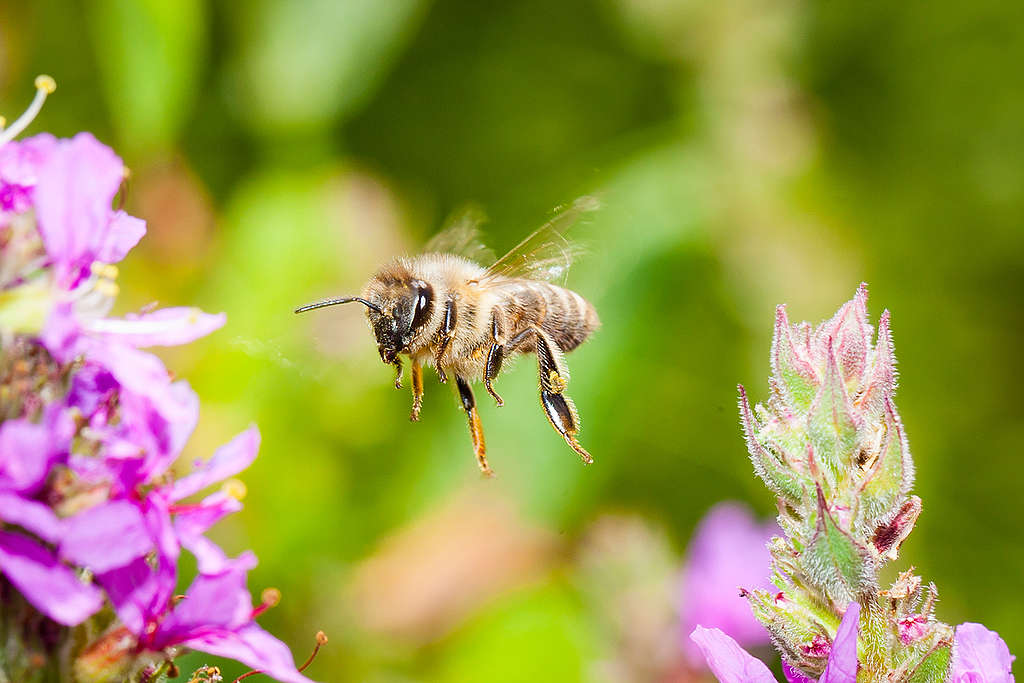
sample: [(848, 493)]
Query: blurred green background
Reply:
[(747, 153)]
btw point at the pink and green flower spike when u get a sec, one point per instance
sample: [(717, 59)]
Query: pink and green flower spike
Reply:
[(830, 445)]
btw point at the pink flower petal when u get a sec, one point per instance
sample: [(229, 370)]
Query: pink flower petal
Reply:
[(212, 602), (73, 195), (166, 327), (106, 537), (62, 335), (136, 592), (26, 453), (980, 656), (227, 461), (123, 233), (30, 515), (46, 583), (20, 161), (192, 522), (254, 647), (727, 660), (842, 661), (141, 590), (144, 374), (210, 558), (727, 551), (19, 170)]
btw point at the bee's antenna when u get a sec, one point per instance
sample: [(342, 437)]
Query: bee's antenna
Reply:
[(334, 302)]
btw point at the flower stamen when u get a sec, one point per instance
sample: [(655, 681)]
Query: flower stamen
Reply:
[(235, 488), (321, 640), (269, 598), (45, 85)]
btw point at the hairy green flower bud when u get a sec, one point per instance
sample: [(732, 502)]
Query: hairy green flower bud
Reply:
[(829, 443)]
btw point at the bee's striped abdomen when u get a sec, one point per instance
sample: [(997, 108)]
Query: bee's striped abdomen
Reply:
[(563, 314)]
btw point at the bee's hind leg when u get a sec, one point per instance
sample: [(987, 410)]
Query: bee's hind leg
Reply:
[(476, 429), (416, 379), (559, 408)]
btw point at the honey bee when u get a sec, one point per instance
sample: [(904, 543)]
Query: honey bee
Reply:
[(444, 309)]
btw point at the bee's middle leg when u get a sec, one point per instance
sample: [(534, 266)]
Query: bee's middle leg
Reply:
[(416, 379), (495, 355), (445, 336), (476, 429)]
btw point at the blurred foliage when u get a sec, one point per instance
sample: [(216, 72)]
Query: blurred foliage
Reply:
[(746, 154)]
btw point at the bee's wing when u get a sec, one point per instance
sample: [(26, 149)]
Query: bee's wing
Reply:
[(545, 254), (461, 236)]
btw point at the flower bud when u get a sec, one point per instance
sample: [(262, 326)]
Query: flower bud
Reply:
[(830, 445), (108, 658)]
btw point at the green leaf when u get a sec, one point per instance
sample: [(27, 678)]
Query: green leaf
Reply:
[(890, 476), (934, 667), (306, 63), (149, 53), (835, 561), (793, 375), (782, 480), (831, 424)]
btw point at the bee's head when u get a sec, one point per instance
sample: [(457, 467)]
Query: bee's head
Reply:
[(402, 304), (397, 306)]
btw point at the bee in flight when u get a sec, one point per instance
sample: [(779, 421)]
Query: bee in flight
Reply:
[(444, 309)]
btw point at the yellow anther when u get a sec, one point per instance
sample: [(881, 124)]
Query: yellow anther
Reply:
[(126, 173), (107, 288), (235, 489), (3, 122), (46, 84), (105, 270), (270, 597)]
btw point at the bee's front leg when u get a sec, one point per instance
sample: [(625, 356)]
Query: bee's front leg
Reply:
[(398, 372), (445, 336), (416, 377), (559, 408), (476, 429)]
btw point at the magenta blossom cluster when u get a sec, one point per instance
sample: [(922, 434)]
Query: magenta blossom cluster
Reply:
[(93, 520)]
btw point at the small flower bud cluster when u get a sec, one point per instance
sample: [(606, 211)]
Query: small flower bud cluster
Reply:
[(92, 520), (829, 443)]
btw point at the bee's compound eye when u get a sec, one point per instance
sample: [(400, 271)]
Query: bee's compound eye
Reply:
[(424, 304)]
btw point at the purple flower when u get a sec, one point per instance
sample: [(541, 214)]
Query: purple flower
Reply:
[(980, 656), (90, 424), (216, 616), (732, 664), (113, 539), (19, 170), (76, 185), (27, 452), (107, 536), (727, 552), (45, 582)]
